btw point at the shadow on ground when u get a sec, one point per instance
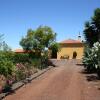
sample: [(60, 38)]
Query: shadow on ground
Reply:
[(90, 76), (79, 64)]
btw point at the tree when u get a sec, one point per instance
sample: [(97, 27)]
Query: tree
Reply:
[(5, 46), (26, 42), (39, 39), (92, 28), (55, 47)]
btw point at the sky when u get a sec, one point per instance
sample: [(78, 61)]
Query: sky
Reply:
[(65, 17)]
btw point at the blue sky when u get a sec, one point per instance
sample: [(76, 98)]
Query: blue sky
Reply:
[(65, 17)]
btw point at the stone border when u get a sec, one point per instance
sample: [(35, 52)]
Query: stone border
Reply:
[(19, 84)]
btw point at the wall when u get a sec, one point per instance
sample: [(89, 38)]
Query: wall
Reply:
[(68, 49)]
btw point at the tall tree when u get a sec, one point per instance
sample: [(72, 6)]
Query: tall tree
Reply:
[(5, 46), (92, 28), (39, 39)]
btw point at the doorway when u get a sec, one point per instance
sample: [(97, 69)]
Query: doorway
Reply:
[(54, 55), (74, 55)]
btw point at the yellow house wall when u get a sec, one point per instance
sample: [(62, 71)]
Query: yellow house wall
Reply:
[(68, 49)]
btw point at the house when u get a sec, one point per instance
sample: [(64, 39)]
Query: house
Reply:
[(71, 49)]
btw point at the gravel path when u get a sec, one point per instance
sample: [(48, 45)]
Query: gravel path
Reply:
[(64, 82)]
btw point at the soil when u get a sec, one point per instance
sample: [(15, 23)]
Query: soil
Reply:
[(66, 81)]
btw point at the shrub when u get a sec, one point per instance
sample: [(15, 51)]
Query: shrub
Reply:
[(9, 55), (21, 58), (88, 60), (91, 58), (44, 61), (6, 66)]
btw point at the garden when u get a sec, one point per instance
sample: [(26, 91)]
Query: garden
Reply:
[(15, 67)]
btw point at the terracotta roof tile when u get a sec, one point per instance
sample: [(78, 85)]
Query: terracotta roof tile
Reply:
[(19, 51), (70, 41)]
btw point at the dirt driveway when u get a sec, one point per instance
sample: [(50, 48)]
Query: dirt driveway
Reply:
[(64, 82)]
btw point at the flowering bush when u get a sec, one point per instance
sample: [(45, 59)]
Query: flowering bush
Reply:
[(24, 70), (88, 60), (91, 58)]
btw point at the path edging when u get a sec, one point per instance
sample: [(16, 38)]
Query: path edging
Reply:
[(19, 84)]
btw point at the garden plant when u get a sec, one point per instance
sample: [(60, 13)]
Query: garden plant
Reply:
[(91, 59), (16, 67)]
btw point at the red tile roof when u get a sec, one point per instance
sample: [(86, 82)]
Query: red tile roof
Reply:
[(70, 41), (19, 51)]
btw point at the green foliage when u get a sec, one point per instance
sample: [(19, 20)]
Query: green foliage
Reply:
[(5, 47), (40, 63), (39, 39), (91, 58), (6, 66), (27, 42), (92, 28), (9, 55), (15, 57), (55, 47), (36, 62), (21, 58), (20, 75), (8, 61), (18, 66), (3, 44), (88, 60), (44, 60)]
